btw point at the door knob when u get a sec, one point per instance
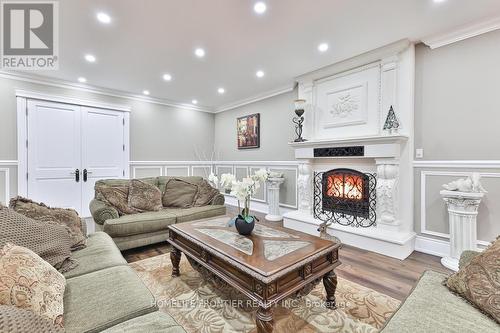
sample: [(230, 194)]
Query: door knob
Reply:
[(77, 175)]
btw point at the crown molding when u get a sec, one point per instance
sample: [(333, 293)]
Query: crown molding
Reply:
[(463, 32), (97, 90), (257, 98)]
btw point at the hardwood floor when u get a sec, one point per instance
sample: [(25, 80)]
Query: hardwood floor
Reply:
[(387, 275)]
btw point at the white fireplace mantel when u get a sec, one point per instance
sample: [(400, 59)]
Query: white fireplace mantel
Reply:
[(379, 146)]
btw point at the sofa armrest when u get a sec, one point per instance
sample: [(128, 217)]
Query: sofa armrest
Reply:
[(218, 200), (101, 211), (466, 257)]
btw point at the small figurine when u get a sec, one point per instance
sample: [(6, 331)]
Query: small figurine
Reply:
[(471, 184)]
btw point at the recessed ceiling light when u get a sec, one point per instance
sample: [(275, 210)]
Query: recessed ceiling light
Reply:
[(194, 101), (260, 7), (90, 58), (146, 92), (260, 74), (221, 90), (323, 47), (82, 80), (167, 77), (200, 53), (103, 18)]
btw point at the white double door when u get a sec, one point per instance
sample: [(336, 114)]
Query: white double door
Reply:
[(70, 147)]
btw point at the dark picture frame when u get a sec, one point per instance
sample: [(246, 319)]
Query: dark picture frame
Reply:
[(248, 131)]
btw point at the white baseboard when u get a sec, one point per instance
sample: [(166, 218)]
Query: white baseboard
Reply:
[(437, 247)]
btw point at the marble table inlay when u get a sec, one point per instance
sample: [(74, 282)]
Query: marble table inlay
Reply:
[(274, 249), (263, 231), (212, 223), (230, 238)]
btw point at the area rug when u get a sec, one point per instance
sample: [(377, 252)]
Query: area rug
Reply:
[(199, 306)]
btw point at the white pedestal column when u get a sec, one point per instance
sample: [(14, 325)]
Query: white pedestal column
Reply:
[(273, 198), (462, 211)]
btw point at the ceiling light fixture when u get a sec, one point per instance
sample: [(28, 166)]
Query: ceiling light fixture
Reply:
[(221, 90), (260, 7), (146, 92), (323, 47), (439, 1), (103, 18), (90, 58), (199, 52), (167, 77), (194, 101), (82, 80), (260, 74)]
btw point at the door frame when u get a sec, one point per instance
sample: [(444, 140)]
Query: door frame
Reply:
[(22, 97)]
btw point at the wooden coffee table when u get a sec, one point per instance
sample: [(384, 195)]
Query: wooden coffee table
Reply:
[(268, 266)]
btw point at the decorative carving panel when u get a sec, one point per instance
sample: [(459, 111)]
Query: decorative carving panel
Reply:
[(346, 106)]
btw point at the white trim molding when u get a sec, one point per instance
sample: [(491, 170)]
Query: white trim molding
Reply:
[(6, 189), (70, 100), (254, 99), (461, 164), (462, 33), (438, 247), (135, 168), (97, 90), (423, 181), (9, 162)]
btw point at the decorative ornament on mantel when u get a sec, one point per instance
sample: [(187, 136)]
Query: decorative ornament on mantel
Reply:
[(391, 122), (300, 105), (462, 197)]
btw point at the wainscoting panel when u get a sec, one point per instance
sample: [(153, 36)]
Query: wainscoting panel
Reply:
[(147, 171), (261, 193), (4, 186), (177, 171), (201, 170), (431, 217)]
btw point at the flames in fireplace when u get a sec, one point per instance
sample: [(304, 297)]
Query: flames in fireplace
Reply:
[(345, 186)]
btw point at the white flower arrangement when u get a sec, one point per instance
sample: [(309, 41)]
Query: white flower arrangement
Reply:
[(243, 190)]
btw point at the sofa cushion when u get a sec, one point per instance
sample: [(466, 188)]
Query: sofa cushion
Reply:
[(206, 193), (128, 225), (52, 242), (115, 196), (101, 252), (99, 300), (17, 320), (29, 282), (163, 180), (65, 217), (155, 322), (431, 307), (479, 281), (143, 196), (179, 193), (196, 213)]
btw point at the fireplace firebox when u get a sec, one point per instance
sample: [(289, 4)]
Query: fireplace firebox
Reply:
[(345, 196)]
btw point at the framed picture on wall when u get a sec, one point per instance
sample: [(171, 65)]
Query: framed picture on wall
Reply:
[(248, 131)]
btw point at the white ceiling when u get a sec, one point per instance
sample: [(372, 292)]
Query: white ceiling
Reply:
[(149, 38)]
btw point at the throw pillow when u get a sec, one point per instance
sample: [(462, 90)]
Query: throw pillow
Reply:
[(117, 197), (479, 281), (65, 217), (52, 242), (17, 320), (206, 193), (143, 196), (179, 193), (29, 282)]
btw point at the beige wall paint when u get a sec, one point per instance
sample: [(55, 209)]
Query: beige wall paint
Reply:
[(457, 100), (157, 132), (276, 130)]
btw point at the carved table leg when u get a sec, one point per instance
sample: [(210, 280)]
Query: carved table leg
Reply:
[(175, 257), (330, 283), (264, 320)]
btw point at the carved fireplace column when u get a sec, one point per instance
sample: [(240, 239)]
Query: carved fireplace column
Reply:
[(387, 193), (304, 184), (462, 210)]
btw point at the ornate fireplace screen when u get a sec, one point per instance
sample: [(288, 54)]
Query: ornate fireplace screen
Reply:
[(346, 197)]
